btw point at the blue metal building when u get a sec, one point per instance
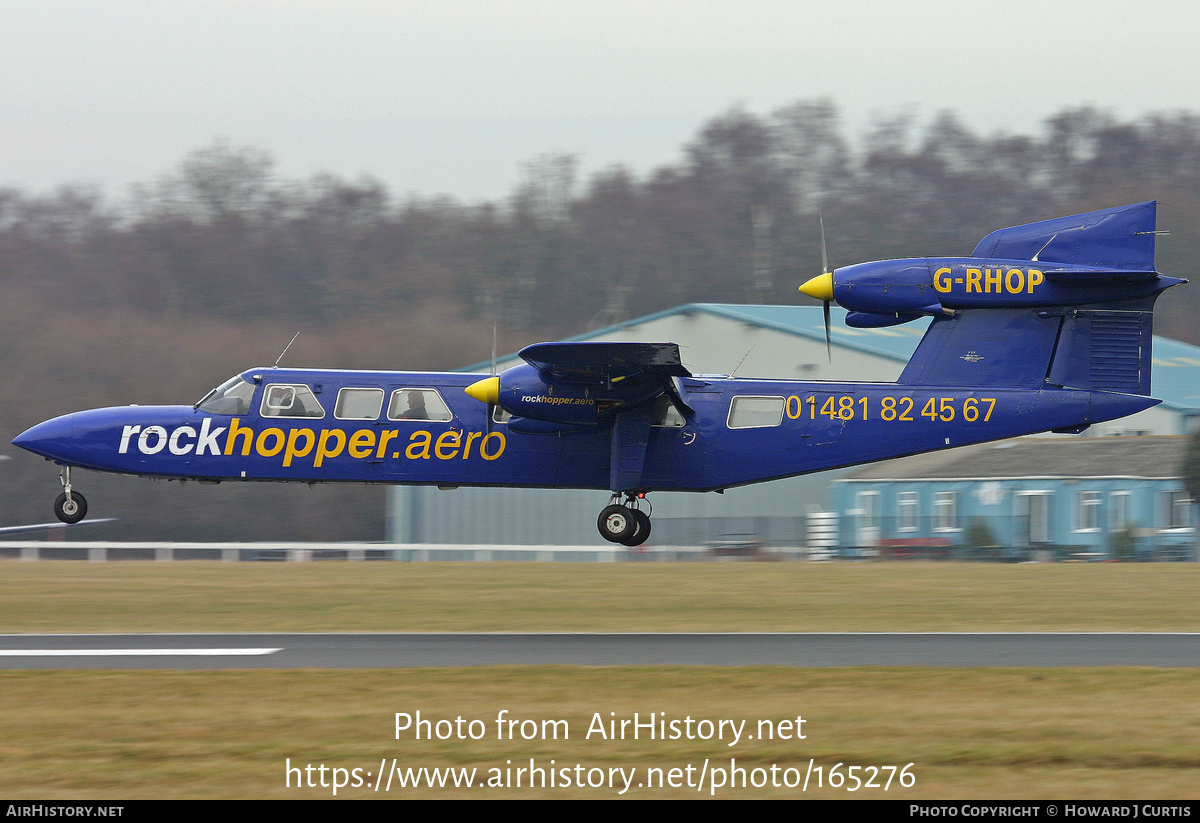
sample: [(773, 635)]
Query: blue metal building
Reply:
[(1091, 498)]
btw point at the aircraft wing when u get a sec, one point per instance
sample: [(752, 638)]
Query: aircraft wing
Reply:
[(604, 362)]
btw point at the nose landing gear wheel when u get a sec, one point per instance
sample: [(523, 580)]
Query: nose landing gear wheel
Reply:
[(70, 509), (616, 523)]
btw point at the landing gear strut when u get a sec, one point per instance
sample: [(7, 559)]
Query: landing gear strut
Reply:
[(625, 523), (69, 507)]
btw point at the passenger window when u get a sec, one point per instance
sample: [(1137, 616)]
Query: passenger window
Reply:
[(418, 404), (281, 400), (755, 412), (665, 414), (358, 404)]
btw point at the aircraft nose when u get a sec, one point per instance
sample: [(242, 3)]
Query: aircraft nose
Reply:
[(52, 438)]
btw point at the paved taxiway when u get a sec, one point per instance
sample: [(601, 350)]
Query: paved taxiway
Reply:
[(293, 651)]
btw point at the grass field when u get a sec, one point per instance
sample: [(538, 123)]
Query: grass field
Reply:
[(68, 596), (969, 733)]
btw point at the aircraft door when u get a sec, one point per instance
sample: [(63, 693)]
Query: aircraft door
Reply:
[(422, 438)]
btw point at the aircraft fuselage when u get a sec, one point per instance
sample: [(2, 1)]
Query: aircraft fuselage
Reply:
[(736, 431)]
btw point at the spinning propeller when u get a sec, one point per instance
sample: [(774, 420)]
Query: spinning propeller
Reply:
[(821, 288), (487, 390)]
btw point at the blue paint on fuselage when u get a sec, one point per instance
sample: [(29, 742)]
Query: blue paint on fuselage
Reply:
[(819, 426)]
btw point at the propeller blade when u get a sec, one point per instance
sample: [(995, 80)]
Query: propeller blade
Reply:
[(824, 254), (828, 337), (493, 371)]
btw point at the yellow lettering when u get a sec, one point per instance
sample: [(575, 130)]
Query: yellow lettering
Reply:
[(483, 446), (471, 438), (423, 439), (361, 443), (447, 440), (260, 445), (990, 280), (1035, 278), (1014, 286), (236, 429), (293, 436), (973, 277), (384, 439), (942, 285), (323, 449)]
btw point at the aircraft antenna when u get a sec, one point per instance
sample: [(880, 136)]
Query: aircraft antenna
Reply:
[(1034, 259), (285, 348), (743, 360)]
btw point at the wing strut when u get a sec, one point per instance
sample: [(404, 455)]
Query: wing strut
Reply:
[(630, 434)]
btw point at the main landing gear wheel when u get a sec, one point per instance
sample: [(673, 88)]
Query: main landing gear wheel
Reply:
[(70, 509), (641, 532), (617, 523), (625, 523)]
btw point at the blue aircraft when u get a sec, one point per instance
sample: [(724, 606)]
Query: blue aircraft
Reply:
[(1044, 327)]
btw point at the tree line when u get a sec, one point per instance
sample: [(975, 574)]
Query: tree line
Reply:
[(735, 221)]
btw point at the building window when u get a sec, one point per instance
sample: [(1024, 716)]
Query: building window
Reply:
[(1033, 517), (1118, 511), (866, 519), (1087, 511), (945, 511), (1177, 514), (907, 511)]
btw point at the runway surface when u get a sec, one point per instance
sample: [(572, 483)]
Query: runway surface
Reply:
[(294, 651)]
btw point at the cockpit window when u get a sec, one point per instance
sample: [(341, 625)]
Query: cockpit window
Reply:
[(231, 397), (288, 400)]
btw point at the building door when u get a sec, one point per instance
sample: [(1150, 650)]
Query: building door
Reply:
[(1032, 510)]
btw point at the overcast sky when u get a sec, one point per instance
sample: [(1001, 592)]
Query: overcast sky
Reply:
[(451, 96)]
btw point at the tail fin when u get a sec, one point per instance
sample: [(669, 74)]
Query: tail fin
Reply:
[(1101, 347), (1066, 302)]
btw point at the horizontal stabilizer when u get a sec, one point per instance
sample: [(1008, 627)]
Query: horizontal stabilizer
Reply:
[(1120, 238)]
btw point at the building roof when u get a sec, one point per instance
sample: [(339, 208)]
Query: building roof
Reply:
[(1040, 457), (1176, 378)]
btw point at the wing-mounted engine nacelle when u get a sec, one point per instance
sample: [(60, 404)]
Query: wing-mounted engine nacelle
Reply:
[(888, 292), (527, 392), (523, 391)]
